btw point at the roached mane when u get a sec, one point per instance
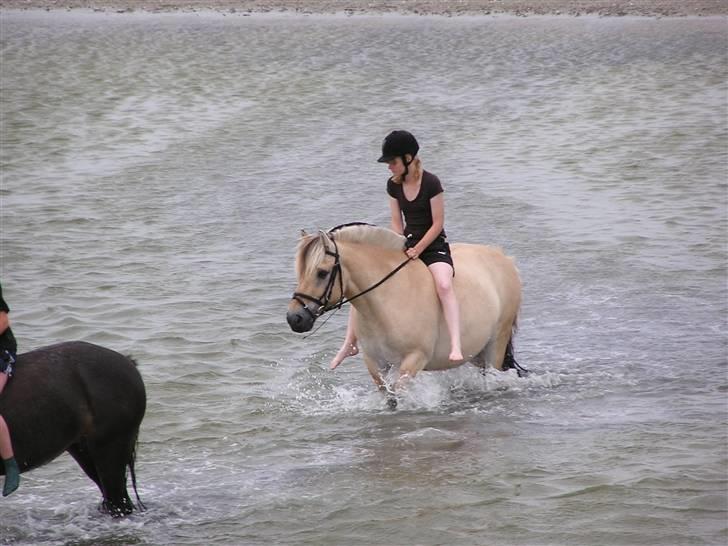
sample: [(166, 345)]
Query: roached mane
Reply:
[(370, 235), (311, 249)]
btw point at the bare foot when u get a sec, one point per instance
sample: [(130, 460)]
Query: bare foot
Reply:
[(346, 350), (455, 355)]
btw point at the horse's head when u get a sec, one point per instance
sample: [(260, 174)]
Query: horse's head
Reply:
[(319, 289)]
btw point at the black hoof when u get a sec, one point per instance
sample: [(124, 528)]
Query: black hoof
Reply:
[(392, 402), (116, 510)]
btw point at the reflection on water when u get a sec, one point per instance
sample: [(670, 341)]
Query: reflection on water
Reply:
[(156, 170)]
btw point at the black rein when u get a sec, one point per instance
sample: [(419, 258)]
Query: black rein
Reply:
[(323, 301)]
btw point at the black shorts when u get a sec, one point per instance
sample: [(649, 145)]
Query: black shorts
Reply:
[(7, 361), (438, 251)]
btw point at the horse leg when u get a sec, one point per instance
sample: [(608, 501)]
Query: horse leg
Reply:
[(110, 459), (80, 453), (411, 365), (479, 360), (408, 369), (377, 372), (495, 351)]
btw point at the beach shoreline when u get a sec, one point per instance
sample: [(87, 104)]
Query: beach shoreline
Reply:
[(524, 8)]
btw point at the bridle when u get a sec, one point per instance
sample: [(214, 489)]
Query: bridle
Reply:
[(324, 302)]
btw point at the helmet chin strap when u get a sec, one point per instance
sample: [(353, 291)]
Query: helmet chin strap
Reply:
[(406, 166)]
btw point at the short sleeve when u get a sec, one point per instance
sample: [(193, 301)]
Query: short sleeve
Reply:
[(391, 188), (3, 306), (434, 187)]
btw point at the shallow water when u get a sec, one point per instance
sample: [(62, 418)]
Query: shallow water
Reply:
[(156, 170)]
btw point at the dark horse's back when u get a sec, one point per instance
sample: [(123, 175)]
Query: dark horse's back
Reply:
[(81, 398)]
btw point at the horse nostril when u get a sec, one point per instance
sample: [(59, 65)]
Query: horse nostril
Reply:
[(293, 318), (299, 322)]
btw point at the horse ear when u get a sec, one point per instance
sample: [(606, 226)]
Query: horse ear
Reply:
[(303, 233), (325, 240)]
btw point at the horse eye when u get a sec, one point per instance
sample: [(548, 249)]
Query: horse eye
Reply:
[(322, 274)]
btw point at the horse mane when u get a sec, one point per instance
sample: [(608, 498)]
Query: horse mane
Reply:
[(369, 235), (312, 250)]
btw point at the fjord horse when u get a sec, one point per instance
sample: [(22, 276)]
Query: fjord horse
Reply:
[(400, 321), (80, 398)]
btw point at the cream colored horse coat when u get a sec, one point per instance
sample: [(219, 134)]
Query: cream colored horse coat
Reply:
[(400, 323)]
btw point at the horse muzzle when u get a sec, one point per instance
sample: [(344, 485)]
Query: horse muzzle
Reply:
[(300, 320)]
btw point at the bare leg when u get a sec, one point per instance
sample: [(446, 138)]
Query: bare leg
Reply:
[(442, 273), (6, 447), (349, 347), (12, 473)]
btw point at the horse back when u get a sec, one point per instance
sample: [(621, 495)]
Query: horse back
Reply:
[(486, 267), (66, 393)]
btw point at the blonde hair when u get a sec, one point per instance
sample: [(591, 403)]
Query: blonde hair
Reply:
[(414, 167)]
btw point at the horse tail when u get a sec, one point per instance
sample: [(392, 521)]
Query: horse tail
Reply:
[(509, 360), (132, 456), (130, 464)]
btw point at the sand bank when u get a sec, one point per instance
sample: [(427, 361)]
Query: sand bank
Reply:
[(613, 8)]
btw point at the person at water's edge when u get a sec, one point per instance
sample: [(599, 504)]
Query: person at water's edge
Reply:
[(417, 207), (8, 352)]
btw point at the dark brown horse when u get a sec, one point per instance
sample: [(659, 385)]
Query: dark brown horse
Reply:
[(80, 398)]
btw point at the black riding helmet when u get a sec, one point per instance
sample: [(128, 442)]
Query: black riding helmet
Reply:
[(399, 144)]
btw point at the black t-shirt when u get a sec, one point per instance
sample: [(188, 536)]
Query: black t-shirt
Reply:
[(7, 339), (418, 212)]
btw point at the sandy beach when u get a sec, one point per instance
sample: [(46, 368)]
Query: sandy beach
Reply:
[(606, 8)]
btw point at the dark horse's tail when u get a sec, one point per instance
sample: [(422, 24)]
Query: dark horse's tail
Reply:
[(132, 458), (130, 464), (509, 361)]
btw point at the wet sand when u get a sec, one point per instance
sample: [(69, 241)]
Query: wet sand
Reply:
[(607, 8)]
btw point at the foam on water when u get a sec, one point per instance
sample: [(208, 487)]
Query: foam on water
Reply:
[(315, 390)]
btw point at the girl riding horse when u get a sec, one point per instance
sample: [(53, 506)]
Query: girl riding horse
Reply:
[(418, 196)]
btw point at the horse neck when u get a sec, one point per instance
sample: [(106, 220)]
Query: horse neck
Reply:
[(365, 265)]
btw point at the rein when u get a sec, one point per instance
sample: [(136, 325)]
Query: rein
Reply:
[(372, 287), (323, 302)]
